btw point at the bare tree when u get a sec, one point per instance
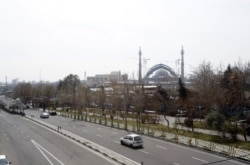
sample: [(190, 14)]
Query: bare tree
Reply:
[(139, 102), (162, 97), (102, 101), (206, 87), (68, 88), (23, 91)]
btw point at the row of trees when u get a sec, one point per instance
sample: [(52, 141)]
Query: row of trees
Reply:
[(216, 96), (222, 98)]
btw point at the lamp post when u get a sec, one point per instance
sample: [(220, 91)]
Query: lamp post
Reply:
[(125, 101)]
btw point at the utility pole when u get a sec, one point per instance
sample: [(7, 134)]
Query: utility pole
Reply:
[(182, 64), (139, 80)]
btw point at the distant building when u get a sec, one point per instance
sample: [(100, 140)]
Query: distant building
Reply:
[(104, 79), (15, 82)]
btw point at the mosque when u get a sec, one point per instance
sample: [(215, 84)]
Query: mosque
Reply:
[(158, 74)]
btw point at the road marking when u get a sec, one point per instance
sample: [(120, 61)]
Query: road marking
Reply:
[(40, 148), (161, 147), (99, 128), (190, 149), (200, 160), (144, 151), (117, 142), (176, 164), (99, 135), (236, 162), (85, 130), (89, 149), (114, 133)]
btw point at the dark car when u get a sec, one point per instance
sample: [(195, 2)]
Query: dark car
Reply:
[(52, 113)]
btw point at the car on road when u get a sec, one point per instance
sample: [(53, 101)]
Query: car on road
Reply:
[(4, 160), (52, 113), (44, 115), (132, 140)]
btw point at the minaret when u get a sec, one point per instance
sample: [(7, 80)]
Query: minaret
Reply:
[(182, 64), (6, 81), (140, 66)]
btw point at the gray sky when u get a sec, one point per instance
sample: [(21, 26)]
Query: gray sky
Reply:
[(49, 39)]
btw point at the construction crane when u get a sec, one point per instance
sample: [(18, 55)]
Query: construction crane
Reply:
[(177, 65), (145, 60)]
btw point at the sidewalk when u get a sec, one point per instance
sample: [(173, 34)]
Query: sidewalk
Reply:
[(172, 124)]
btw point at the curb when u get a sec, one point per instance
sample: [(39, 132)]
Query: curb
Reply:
[(91, 145)]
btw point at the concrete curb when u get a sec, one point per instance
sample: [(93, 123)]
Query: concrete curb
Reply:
[(97, 148)]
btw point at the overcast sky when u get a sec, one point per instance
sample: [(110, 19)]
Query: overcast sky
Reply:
[(49, 39)]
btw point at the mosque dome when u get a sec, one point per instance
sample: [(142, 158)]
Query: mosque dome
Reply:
[(161, 74)]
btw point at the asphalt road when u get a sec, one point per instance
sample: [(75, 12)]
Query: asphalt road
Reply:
[(157, 152), (26, 143)]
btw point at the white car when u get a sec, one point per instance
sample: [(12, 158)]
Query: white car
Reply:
[(132, 140), (4, 160), (44, 115)]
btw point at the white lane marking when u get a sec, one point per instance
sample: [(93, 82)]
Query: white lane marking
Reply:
[(40, 148), (35, 144), (176, 163), (93, 151), (200, 160), (190, 149), (161, 147), (99, 135), (114, 133), (85, 130), (236, 162), (144, 151), (99, 128), (117, 142)]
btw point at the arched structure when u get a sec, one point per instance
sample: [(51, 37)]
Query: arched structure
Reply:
[(158, 67)]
